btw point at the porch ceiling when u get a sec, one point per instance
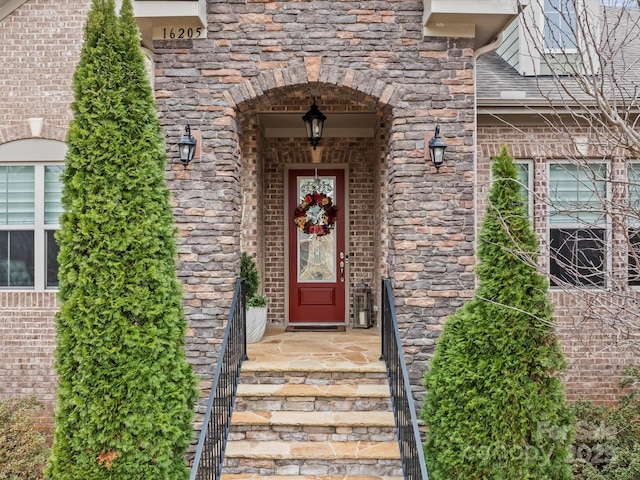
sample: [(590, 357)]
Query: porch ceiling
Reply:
[(336, 125)]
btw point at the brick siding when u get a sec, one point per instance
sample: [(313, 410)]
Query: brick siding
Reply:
[(41, 41), (597, 351), (27, 343), (264, 161)]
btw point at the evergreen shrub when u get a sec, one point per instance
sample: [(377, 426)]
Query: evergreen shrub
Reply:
[(24, 449), (125, 389), (249, 272), (495, 408), (607, 443)]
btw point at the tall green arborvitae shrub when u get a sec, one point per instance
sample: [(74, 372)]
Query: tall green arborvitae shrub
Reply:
[(495, 408), (125, 390)]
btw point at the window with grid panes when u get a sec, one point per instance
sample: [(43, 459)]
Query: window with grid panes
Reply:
[(577, 224), (30, 206), (560, 25)]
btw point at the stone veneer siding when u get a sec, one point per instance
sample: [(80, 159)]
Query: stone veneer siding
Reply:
[(257, 52)]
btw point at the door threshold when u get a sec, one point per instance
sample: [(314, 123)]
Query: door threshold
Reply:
[(315, 328)]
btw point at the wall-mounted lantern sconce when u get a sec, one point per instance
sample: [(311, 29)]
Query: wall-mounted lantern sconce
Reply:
[(314, 121), (187, 147), (437, 148)]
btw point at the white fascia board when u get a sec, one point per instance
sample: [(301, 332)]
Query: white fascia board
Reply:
[(170, 8), (479, 19)]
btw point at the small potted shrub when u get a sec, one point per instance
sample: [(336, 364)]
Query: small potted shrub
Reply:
[(256, 304)]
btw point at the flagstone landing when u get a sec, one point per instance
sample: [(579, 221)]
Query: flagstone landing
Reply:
[(302, 350)]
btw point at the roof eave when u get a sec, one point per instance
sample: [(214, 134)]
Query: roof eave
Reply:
[(7, 7)]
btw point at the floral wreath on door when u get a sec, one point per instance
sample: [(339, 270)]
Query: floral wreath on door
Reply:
[(316, 214)]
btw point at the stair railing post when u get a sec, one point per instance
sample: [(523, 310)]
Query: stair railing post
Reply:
[(207, 462), (243, 296), (383, 321), (409, 441)]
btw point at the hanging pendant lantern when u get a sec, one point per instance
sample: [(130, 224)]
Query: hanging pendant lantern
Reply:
[(314, 121)]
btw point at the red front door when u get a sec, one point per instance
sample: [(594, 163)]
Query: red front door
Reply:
[(317, 262)]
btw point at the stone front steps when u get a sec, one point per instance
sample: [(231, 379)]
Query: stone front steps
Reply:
[(329, 421), (289, 426), (314, 398), (307, 477)]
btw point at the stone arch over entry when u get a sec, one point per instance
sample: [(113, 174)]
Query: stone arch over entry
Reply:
[(312, 72), (429, 217), (362, 150)]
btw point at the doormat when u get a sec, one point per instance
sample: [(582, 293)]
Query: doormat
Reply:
[(316, 328)]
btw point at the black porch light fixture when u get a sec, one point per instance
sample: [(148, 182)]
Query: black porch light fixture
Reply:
[(437, 148), (187, 147), (314, 121)]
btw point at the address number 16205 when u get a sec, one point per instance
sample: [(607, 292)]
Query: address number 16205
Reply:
[(179, 33)]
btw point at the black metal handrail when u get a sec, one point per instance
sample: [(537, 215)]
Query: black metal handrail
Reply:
[(207, 463), (411, 452)]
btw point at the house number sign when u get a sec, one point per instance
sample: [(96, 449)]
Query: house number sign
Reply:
[(173, 32)]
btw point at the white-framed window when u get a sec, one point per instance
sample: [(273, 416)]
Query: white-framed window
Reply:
[(577, 224), (633, 223), (525, 177), (559, 26), (30, 206)]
